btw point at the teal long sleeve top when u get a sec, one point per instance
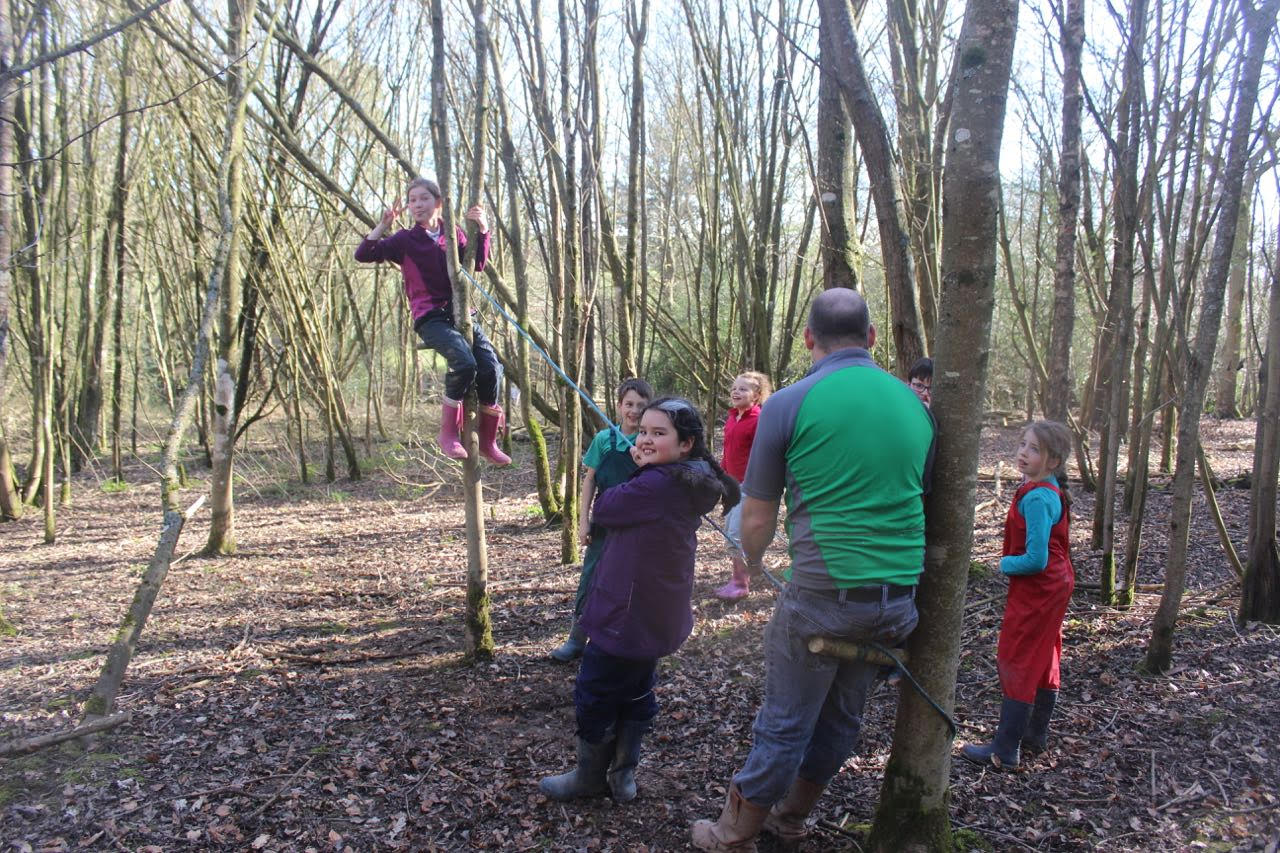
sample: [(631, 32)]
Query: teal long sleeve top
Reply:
[(1041, 508)]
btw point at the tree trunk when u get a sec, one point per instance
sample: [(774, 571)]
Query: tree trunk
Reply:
[(913, 809), (513, 229), (101, 701), (637, 30), (1229, 367), (886, 184), (835, 175), (478, 629), (119, 204), (10, 505), (222, 531), (571, 410), (1058, 394), (915, 39), (1260, 592), (1120, 303), (1260, 23)]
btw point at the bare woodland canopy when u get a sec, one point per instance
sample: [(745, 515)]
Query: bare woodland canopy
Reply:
[(182, 185)]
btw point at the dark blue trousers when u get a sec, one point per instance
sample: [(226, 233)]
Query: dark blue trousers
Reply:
[(477, 363), (610, 689)]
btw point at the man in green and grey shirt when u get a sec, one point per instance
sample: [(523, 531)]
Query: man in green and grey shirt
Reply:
[(851, 449)]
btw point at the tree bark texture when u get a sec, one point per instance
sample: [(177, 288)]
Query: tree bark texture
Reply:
[(886, 184), (912, 813), (1058, 393), (1260, 592), (1229, 367), (835, 174), (10, 505), (222, 529), (1119, 317), (1260, 24)]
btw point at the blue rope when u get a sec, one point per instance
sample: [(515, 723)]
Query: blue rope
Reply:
[(547, 358), (736, 546)]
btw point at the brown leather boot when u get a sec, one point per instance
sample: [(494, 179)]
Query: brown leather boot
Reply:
[(787, 820), (735, 830)]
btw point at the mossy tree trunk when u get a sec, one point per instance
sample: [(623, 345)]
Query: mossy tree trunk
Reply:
[(913, 813), (102, 699), (10, 505)]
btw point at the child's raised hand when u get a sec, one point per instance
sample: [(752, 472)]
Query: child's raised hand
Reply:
[(479, 217), (635, 456), (392, 213)]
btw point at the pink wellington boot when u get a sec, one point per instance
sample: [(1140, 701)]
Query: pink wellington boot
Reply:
[(490, 423), (739, 587), (450, 425)]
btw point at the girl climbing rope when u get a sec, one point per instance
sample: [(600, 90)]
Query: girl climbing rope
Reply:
[(420, 252)]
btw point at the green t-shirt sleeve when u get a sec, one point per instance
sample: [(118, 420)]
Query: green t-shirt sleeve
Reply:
[(597, 450)]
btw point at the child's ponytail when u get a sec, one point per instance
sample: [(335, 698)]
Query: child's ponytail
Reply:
[(1061, 477), (732, 491)]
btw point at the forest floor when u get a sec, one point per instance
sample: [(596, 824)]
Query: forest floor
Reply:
[(310, 693)]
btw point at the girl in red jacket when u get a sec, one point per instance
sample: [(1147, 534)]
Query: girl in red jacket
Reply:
[(747, 395)]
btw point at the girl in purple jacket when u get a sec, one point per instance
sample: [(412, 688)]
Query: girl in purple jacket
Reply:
[(638, 609), (420, 252)]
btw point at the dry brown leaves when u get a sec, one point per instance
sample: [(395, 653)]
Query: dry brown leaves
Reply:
[(310, 693)]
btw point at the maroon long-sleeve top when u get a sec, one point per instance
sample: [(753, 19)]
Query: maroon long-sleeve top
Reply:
[(421, 256)]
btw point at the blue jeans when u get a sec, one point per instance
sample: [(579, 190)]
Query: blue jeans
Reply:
[(477, 363), (812, 712), (610, 689)]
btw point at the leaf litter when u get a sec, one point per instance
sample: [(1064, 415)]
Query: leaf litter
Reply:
[(310, 693)]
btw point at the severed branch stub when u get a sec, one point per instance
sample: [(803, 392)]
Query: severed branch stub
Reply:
[(850, 651), (23, 746)]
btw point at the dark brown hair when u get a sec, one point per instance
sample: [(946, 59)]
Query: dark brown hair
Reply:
[(688, 424)]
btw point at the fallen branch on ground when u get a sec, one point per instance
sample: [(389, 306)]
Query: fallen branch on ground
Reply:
[(32, 744)]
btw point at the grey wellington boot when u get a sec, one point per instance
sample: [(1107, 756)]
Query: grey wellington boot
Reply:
[(1036, 739), (585, 780), (622, 775), (1003, 752), (571, 648)]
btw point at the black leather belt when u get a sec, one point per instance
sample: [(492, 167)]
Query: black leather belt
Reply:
[(884, 592)]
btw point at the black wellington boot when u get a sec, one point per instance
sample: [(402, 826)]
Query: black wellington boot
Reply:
[(585, 780), (1036, 739), (622, 775), (1003, 752)]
